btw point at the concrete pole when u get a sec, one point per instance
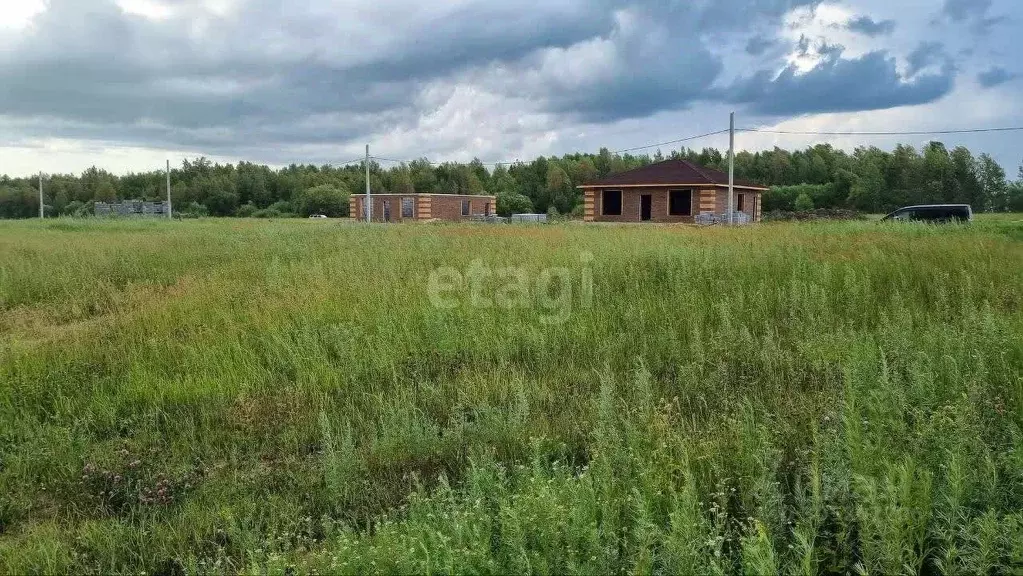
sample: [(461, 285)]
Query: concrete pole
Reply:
[(42, 207), (169, 209), (731, 166), (369, 199)]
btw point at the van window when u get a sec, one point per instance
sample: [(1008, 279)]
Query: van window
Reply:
[(937, 214)]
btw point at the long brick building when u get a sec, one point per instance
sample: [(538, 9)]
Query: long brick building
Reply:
[(412, 207)]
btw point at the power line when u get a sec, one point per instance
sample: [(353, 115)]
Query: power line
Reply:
[(687, 139), (432, 163), (382, 159), (755, 130), (888, 133)]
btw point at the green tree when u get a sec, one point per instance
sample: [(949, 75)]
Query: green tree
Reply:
[(246, 210), (603, 163), (324, 199), (511, 202), (252, 185), (72, 208), (993, 185), (221, 202), (424, 180), (867, 188), (559, 189), (869, 179), (1014, 196), (105, 192), (967, 187), (401, 181)]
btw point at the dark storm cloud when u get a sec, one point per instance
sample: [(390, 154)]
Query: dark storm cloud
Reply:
[(972, 12), (663, 59), (961, 10), (477, 35), (995, 76), (277, 73), (870, 82), (93, 71), (869, 27), (925, 55)]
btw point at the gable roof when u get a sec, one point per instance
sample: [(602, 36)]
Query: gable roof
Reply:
[(674, 172)]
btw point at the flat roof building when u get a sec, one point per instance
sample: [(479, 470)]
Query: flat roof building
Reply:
[(413, 207)]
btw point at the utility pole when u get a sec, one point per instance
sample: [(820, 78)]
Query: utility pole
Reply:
[(42, 207), (369, 200), (169, 216), (731, 166)]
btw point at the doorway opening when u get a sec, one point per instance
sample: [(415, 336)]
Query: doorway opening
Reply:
[(645, 207)]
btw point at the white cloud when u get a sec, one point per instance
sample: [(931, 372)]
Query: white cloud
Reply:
[(152, 9), (18, 14), (75, 156), (465, 121)]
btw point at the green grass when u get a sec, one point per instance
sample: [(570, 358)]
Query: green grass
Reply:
[(243, 396)]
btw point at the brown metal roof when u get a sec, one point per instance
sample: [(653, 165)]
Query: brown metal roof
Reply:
[(670, 172)]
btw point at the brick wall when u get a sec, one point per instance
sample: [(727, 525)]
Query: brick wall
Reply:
[(751, 202), (426, 206), (357, 206), (589, 205), (632, 203), (714, 200), (449, 206)]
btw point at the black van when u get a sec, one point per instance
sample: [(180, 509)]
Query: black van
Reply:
[(935, 213)]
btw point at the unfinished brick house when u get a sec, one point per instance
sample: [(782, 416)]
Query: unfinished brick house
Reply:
[(670, 191), (412, 207)]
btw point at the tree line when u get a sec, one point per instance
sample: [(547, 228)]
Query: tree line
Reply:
[(869, 180)]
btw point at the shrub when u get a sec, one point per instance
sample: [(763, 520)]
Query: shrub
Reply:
[(281, 207), (266, 213), (193, 210), (72, 208), (804, 203), (222, 203), (87, 209), (509, 203), (324, 199), (246, 210), (785, 197)]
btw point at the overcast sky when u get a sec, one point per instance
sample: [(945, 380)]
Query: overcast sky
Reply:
[(125, 84)]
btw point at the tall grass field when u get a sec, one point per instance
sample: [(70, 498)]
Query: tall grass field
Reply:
[(232, 396)]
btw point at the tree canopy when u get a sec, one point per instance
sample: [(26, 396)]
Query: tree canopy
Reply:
[(868, 179)]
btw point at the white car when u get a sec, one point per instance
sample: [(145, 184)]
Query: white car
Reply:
[(318, 216)]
